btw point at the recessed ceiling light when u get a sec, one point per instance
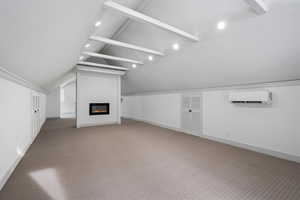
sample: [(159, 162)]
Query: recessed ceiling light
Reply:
[(175, 46), (98, 23), (87, 45), (133, 65), (81, 57), (221, 25), (150, 58)]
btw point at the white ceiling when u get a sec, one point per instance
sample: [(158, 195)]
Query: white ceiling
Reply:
[(252, 49), (41, 41)]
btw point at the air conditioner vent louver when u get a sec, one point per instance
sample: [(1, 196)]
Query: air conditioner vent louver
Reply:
[(247, 102), (251, 97)]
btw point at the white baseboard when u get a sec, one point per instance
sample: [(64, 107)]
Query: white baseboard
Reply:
[(155, 124), (256, 149), (82, 125), (53, 117), (13, 167), (16, 162), (67, 115), (9, 172), (229, 142)]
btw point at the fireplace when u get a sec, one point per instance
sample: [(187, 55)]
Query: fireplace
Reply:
[(99, 108)]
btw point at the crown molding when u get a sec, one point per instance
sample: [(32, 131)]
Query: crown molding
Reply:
[(19, 80), (100, 70), (255, 85)]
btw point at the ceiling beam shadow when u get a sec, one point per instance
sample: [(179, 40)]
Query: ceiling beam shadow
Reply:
[(142, 17), (125, 45), (259, 6), (98, 55), (91, 64)]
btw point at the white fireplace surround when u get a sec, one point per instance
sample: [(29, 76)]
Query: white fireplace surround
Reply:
[(104, 86)]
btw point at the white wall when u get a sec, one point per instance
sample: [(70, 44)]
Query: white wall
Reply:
[(43, 99), (97, 88), (162, 109), (272, 129), (53, 104), (68, 101), (16, 125)]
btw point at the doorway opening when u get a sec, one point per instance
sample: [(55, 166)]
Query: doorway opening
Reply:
[(68, 100)]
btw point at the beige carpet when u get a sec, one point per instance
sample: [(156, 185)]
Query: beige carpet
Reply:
[(137, 161)]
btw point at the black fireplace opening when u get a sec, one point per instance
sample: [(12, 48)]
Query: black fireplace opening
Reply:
[(99, 108)]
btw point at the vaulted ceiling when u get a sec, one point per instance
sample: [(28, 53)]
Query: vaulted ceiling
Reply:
[(42, 40), (252, 49)]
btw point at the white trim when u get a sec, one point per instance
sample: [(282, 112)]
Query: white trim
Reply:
[(226, 87), (119, 109), (259, 6), (229, 142), (125, 45), (68, 115), (112, 57), (254, 148), (99, 70), (53, 118), (77, 97), (19, 80), (67, 82), (140, 7), (91, 64), (83, 125), (142, 17), (154, 123), (11, 170)]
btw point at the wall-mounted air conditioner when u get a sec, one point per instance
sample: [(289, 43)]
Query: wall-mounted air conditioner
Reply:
[(263, 97)]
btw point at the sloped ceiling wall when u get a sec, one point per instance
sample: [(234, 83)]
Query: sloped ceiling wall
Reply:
[(41, 40), (252, 49)]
